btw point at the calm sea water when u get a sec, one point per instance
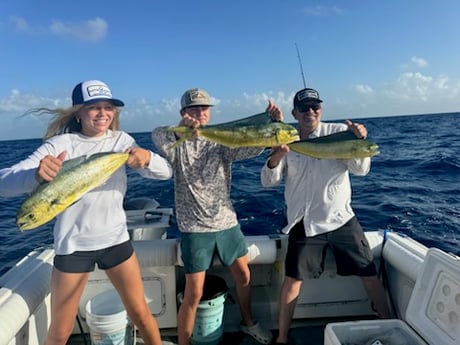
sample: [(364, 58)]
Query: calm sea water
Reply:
[(413, 187)]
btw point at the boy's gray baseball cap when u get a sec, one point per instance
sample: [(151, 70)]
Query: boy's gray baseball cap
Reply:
[(195, 97)]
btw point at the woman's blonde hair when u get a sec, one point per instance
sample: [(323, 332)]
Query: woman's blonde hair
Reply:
[(65, 121)]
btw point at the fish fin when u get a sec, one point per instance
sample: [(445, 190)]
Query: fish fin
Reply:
[(184, 130), (66, 165), (179, 129), (257, 119), (179, 141), (72, 163)]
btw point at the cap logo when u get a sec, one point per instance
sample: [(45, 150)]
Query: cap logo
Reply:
[(307, 94), (99, 91), (197, 96)]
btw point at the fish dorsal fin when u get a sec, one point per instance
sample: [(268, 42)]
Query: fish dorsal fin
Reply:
[(71, 163), (74, 162), (257, 119), (66, 166), (339, 136)]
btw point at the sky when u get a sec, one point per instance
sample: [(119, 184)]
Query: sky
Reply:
[(366, 58)]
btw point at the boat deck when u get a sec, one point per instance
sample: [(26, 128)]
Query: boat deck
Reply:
[(311, 335), (303, 332)]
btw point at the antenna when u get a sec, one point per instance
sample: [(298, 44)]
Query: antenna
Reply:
[(301, 67)]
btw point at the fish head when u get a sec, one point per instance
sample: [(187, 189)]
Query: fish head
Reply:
[(32, 216), (370, 149), (286, 134)]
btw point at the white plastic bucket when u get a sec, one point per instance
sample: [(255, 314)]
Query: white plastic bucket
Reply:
[(108, 321)]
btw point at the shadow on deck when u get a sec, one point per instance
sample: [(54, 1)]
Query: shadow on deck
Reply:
[(300, 334)]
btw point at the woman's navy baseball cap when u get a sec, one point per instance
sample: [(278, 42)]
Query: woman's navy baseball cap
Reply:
[(93, 91)]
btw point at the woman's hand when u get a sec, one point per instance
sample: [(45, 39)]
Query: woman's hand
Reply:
[(49, 167)]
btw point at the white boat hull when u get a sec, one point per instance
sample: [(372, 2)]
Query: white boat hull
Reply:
[(24, 293)]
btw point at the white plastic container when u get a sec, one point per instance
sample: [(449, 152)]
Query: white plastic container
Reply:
[(433, 313), (108, 321), (434, 307), (371, 332)]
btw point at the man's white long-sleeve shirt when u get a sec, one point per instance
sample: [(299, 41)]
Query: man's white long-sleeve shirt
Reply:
[(317, 190)]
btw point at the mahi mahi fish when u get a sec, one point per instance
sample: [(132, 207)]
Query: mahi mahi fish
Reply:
[(341, 145), (242, 133), (76, 177)]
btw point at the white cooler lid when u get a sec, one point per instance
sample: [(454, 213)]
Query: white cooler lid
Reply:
[(434, 306)]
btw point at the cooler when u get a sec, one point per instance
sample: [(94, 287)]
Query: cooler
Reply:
[(433, 313)]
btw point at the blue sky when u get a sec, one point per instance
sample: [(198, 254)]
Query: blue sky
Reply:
[(366, 58)]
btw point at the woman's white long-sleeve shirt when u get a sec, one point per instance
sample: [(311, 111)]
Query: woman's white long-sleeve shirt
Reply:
[(317, 190), (97, 220)]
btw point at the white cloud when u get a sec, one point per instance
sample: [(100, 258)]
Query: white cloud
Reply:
[(419, 62), (20, 24), (442, 82), (319, 11), (260, 101), (171, 105), (15, 123), (364, 89), (417, 93), (92, 30), (17, 102), (415, 86), (410, 93)]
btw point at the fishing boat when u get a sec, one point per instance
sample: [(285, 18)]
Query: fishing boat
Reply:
[(422, 284)]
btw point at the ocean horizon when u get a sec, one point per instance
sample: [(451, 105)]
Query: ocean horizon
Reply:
[(328, 120), (412, 187)]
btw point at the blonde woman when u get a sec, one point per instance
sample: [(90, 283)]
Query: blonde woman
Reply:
[(93, 230)]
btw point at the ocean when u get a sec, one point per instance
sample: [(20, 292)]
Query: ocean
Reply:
[(413, 187)]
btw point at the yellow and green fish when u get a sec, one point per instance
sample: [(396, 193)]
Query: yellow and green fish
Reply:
[(248, 132), (341, 145), (76, 177)]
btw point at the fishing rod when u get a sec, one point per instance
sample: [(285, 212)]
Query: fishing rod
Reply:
[(301, 66)]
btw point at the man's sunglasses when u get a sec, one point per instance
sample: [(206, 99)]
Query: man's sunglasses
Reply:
[(303, 108)]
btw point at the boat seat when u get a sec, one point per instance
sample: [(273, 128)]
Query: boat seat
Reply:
[(405, 254)]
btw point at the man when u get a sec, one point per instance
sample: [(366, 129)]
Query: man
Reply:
[(319, 214), (204, 212)]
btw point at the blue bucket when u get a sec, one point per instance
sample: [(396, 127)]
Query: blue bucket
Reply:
[(208, 329)]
